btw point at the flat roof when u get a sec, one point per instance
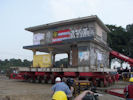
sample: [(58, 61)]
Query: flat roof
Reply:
[(68, 22)]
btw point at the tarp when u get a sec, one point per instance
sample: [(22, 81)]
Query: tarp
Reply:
[(42, 60)]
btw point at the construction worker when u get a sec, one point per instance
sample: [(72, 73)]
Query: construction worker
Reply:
[(128, 91), (61, 86), (59, 95)]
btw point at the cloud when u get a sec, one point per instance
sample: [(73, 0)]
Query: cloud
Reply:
[(66, 9), (109, 11)]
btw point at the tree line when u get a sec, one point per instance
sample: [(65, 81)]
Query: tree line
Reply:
[(4, 64)]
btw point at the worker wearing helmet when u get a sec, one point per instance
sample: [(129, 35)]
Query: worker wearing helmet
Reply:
[(59, 95), (61, 86), (129, 90)]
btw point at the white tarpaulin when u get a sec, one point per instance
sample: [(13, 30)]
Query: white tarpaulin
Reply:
[(37, 38)]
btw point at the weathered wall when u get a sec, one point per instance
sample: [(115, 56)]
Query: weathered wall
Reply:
[(91, 55), (101, 35), (98, 56), (76, 31)]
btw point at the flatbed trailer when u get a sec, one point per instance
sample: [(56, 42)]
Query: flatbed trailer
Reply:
[(38, 76)]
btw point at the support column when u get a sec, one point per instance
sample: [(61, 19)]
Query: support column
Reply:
[(74, 56), (34, 52), (54, 60), (51, 53), (68, 63)]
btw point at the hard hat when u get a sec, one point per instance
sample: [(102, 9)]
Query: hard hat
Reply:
[(58, 79), (131, 79), (59, 95)]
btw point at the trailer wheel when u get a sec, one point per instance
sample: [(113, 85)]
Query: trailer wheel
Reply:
[(36, 80), (101, 83), (43, 81), (31, 80)]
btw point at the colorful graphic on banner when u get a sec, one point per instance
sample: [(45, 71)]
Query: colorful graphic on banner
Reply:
[(58, 36)]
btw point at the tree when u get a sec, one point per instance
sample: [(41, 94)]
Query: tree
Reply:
[(6, 64), (120, 39), (26, 63)]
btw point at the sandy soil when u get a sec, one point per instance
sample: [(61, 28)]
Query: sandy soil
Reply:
[(20, 90)]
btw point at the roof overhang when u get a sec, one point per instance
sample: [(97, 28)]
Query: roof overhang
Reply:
[(68, 22), (63, 47)]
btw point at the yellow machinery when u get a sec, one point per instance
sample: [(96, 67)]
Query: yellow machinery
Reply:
[(42, 60), (81, 85), (127, 75)]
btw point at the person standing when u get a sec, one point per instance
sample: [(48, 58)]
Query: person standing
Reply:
[(128, 91), (61, 86)]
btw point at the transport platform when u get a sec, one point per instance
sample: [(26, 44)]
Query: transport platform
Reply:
[(116, 92)]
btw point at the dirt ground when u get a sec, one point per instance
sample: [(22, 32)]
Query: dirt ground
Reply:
[(20, 90)]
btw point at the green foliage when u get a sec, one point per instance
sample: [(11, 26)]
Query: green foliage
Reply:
[(60, 62), (120, 39), (14, 63)]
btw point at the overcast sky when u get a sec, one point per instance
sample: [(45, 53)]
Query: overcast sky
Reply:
[(16, 15)]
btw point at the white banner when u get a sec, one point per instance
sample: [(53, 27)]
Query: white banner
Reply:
[(37, 38), (99, 56)]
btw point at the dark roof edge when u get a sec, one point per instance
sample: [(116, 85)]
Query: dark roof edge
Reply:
[(66, 22)]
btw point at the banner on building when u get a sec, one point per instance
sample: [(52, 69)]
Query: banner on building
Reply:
[(59, 36), (37, 38), (42, 60)]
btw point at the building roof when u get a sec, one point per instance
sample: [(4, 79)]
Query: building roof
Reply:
[(68, 22)]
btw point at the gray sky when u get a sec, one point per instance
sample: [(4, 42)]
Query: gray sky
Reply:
[(16, 15)]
